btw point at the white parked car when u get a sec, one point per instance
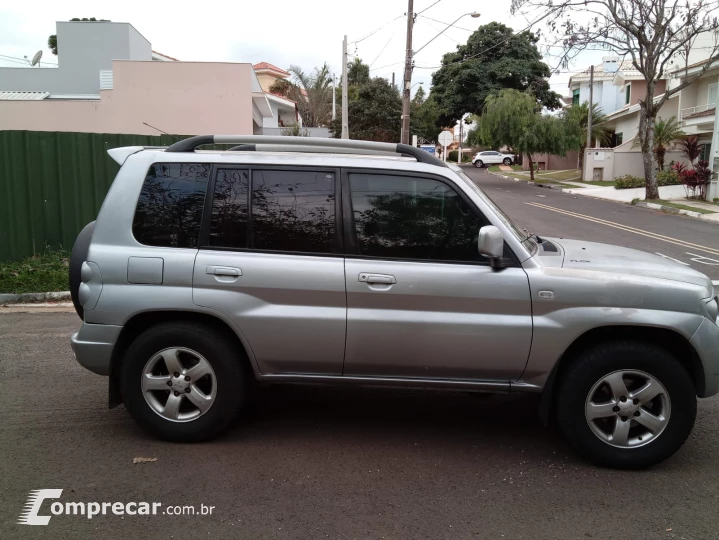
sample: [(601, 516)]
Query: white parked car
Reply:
[(490, 157)]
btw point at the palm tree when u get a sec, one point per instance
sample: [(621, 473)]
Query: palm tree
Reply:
[(357, 72), (666, 132), (579, 114), (313, 94)]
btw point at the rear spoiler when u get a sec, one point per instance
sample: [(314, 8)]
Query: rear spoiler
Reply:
[(121, 154)]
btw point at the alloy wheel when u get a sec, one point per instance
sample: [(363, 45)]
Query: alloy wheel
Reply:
[(179, 384), (628, 408)]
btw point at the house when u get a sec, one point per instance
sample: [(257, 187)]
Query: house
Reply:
[(109, 80)]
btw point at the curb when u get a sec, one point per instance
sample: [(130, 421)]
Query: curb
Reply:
[(670, 209), (538, 184), (31, 298)]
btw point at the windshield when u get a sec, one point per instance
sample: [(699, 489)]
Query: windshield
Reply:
[(521, 234)]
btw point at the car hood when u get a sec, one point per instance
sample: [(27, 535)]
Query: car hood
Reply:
[(620, 260)]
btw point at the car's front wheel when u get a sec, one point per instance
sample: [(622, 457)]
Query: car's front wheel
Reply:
[(507, 161), (479, 164), (183, 382), (626, 404)]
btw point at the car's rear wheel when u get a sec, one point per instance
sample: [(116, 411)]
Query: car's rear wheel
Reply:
[(507, 161), (183, 382), (626, 404), (479, 163)]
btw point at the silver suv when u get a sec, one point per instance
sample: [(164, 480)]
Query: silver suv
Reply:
[(316, 260)]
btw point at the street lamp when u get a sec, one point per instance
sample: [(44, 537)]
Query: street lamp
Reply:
[(407, 86)]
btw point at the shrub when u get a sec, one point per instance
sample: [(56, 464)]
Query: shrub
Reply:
[(628, 181), (668, 178), (466, 156), (694, 180)]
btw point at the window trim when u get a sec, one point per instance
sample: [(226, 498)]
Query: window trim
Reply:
[(619, 137), (352, 244), (204, 242)]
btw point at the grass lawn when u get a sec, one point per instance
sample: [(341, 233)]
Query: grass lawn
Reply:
[(39, 273), (495, 168), (680, 206), (560, 175)]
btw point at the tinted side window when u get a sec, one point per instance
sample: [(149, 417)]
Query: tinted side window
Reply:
[(413, 218), (169, 210), (228, 224), (293, 211)]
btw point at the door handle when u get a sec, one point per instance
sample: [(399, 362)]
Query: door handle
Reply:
[(224, 271), (383, 279)]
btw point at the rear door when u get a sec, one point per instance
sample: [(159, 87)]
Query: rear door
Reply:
[(271, 259), (421, 301)]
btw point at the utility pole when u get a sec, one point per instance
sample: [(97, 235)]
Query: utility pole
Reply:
[(459, 154), (393, 79), (345, 113), (589, 114), (407, 75), (589, 123), (334, 94)]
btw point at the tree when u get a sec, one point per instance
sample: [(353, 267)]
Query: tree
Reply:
[(52, 40), (313, 94), (424, 116), (666, 132), (514, 119), (651, 33), (579, 115), (493, 58), (357, 72), (375, 114)]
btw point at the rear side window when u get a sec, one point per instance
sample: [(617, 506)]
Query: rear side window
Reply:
[(169, 210), (413, 218), (280, 211)]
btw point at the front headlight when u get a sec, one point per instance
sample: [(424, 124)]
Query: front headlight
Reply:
[(712, 309)]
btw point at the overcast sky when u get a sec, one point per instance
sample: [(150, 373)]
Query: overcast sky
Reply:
[(281, 32)]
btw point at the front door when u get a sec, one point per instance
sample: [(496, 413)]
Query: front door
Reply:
[(421, 301), (271, 260)]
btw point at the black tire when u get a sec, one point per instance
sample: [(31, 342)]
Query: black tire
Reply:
[(77, 257), (597, 362), (227, 360), (507, 161), (479, 164)]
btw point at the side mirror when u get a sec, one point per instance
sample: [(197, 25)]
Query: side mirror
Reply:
[(491, 244)]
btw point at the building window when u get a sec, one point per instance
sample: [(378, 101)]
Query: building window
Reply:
[(712, 96), (627, 94), (169, 210), (706, 152), (620, 138), (575, 97)]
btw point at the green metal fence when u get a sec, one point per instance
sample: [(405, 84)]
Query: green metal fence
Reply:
[(53, 183)]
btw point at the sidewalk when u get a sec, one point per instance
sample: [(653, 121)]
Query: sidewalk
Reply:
[(670, 194)]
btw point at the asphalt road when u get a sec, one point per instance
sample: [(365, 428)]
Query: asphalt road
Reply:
[(549, 212), (326, 463)]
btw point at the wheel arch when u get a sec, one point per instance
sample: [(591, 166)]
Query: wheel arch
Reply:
[(144, 320), (666, 338)]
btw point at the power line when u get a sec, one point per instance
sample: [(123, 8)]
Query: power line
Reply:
[(444, 23), (25, 61), (425, 9), (383, 48), (375, 31), (445, 35)]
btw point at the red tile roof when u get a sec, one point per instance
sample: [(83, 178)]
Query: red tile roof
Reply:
[(268, 66)]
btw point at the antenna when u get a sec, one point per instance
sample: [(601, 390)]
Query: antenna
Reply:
[(36, 59)]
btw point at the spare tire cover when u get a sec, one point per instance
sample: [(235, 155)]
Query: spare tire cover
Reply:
[(79, 256)]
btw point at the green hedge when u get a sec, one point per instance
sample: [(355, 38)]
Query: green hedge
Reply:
[(664, 178), (452, 156)]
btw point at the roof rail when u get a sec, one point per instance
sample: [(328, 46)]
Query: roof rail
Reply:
[(317, 144)]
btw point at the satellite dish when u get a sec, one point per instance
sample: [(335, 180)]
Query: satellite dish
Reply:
[(36, 59)]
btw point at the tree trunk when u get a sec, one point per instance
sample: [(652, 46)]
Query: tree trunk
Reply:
[(661, 152), (580, 161), (646, 137), (531, 167)]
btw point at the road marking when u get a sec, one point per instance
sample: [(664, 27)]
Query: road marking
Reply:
[(627, 228), (671, 258), (701, 259)]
